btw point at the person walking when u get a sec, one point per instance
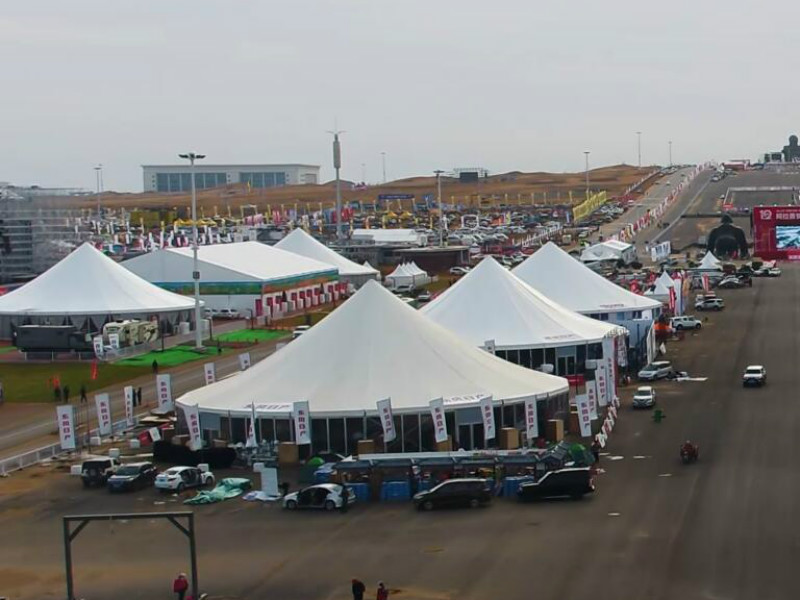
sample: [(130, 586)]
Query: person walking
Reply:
[(383, 593), (66, 394), (83, 393), (56, 394), (155, 367), (345, 497), (596, 451), (180, 586), (139, 396), (359, 589)]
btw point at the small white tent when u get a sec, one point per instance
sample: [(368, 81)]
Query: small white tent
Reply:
[(300, 242), (407, 276), (710, 262)]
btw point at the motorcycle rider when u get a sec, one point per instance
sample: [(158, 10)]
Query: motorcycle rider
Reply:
[(689, 449)]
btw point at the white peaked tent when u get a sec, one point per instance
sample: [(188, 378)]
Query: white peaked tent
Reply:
[(373, 347), (88, 285), (369, 266), (300, 242), (491, 303), (573, 285), (710, 262), (407, 275)]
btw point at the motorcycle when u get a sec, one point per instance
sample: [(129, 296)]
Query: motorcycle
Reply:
[(689, 455)]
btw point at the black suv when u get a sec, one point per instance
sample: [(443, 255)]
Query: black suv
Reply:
[(132, 476), (96, 471), (564, 483), (454, 493)]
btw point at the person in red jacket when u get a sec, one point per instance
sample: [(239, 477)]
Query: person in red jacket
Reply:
[(383, 593), (180, 586)]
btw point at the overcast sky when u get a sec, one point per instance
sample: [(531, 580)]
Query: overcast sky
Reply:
[(506, 85)]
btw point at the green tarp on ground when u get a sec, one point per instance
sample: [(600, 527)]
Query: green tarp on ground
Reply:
[(225, 489)]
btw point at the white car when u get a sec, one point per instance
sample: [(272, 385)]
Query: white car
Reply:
[(656, 370), (644, 397), (684, 322), (710, 304), (754, 375), (300, 330), (459, 270), (178, 479), (326, 496)]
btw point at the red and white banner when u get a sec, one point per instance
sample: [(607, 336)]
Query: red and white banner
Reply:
[(531, 420), (439, 422), (192, 414), (66, 426), (706, 284), (103, 403), (210, 373), (387, 419), (130, 420), (164, 392), (302, 423), (487, 413), (244, 361), (584, 415)]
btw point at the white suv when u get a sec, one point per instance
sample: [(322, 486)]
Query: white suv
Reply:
[(754, 375), (684, 322)]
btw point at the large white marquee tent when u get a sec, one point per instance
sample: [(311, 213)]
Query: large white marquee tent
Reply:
[(87, 289), (375, 347), (300, 242), (492, 304)]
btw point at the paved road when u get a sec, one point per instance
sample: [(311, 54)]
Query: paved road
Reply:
[(725, 528)]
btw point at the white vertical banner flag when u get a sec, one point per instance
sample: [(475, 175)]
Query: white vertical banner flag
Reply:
[(622, 351), (128, 393), (487, 413), (252, 442), (103, 403), (66, 426), (612, 379), (591, 394), (439, 422), (302, 423), (244, 361), (210, 371), (531, 419), (387, 419), (592, 405), (113, 341), (164, 392), (602, 382), (97, 343), (584, 415), (490, 346), (192, 414)]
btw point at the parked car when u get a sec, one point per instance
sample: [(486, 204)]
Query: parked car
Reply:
[(655, 370), (773, 272), (754, 375), (730, 283), (565, 483), (97, 470), (133, 476), (425, 297), (455, 493), (221, 313), (459, 270), (181, 478), (299, 330), (326, 496), (684, 322), (710, 304), (644, 397)]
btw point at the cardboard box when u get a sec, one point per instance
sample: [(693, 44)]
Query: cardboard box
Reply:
[(445, 446), (366, 447), (288, 453), (180, 440), (509, 438), (555, 430), (574, 424)]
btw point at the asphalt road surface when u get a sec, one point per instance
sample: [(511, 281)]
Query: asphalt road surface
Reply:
[(726, 528)]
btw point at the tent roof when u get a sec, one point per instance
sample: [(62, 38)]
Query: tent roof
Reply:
[(599, 252), (710, 262), (87, 282), (248, 261), (300, 242), (567, 281), (374, 346), (490, 303)]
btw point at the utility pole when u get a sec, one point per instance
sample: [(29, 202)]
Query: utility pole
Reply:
[(98, 172), (383, 163), (198, 333), (337, 165), (639, 146), (670, 153), (586, 154), (441, 208), (364, 173)]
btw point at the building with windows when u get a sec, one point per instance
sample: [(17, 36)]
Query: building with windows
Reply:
[(176, 178)]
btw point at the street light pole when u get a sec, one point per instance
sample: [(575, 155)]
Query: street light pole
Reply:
[(337, 165), (441, 208), (639, 146), (98, 172), (670, 153), (383, 164), (586, 153), (198, 334)]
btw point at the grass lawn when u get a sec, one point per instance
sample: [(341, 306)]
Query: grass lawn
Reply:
[(170, 357), (33, 382), (251, 335)]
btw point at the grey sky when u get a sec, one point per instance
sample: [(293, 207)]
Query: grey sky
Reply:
[(509, 85)]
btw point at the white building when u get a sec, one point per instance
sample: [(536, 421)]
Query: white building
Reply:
[(176, 178)]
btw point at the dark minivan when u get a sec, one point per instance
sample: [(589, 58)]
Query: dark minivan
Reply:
[(564, 483), (455, 493)]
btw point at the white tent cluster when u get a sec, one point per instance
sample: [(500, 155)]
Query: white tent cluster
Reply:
[(611, 250), (87, 286), (407, 275), (710, 262)]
